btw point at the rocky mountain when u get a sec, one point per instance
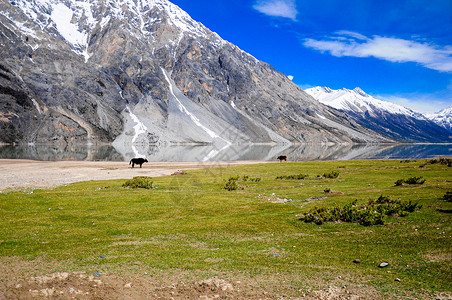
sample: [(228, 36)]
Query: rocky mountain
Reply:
[(443, 118), (389, 119), (143, 72)]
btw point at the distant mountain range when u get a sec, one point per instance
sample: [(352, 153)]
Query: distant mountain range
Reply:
[(389, 119)]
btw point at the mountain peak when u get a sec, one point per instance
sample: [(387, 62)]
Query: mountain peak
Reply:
[(360, 92), (358, 101), (75, 19), (443, 118)]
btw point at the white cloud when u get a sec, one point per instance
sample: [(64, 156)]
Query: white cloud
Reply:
[(277, 8), (347, 43)]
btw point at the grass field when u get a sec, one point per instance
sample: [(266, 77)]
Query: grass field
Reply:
[(189, 224)]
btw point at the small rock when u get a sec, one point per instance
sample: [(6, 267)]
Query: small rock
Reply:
[(357, 261), (397, 279), (275, 255), (97, 274), (383, 265), (128, 285)]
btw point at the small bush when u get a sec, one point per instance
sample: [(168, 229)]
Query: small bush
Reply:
[(440, 161), (411, 180), (252, 179), (332, 174), (399, 182), (232, 183), (256, 179), (139, 182), (372, 213), (295, 177), (447, 197), (327, 190), (415, 180)]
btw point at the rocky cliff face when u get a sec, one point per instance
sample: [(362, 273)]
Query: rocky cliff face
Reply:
[(143, 72)]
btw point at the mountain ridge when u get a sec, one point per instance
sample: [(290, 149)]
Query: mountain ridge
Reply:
[(395, 121), (443, 118)]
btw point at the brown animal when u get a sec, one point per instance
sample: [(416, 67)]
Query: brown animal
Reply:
[(137, 161), (282, 157)]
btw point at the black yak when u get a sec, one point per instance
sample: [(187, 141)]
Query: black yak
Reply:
[(137, 161)]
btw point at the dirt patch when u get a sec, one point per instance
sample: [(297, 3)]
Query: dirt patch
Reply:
[(72, 286), (438, 257), (42, 279)]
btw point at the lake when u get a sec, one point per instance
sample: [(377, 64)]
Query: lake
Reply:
[(229, 153)]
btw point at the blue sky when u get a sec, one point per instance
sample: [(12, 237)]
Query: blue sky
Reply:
[(396, 50)]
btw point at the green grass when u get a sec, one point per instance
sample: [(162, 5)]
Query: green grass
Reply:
[(190, 222)]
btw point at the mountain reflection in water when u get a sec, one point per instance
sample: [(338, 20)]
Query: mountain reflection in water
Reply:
[(181, 153)]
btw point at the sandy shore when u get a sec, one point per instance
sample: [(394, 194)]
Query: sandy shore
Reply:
[(18, 173)]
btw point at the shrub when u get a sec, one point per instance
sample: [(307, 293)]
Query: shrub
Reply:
[(256, 179), (415, 180), (232, 183), (399, 182), (332, 174), (372, 213), (252, 179), (327, 190), (441, 161), (296, 176), (447, 197), (411, 180), (139, 182)]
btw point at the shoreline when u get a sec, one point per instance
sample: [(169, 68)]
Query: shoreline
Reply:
[(16, 174)]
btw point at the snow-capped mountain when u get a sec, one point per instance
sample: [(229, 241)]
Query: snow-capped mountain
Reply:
[(75, 21), (443, 118), (143, 72), (387, 118), (359, 102)]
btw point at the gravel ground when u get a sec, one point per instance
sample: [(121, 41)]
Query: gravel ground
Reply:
[(18, 174)]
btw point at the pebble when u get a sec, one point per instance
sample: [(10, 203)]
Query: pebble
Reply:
[(397, 279), (357, 261), (383, 265), (97, 274)]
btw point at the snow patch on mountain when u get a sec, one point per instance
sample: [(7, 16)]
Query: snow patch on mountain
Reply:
[(443, 118), (62, 16), (358, 101), (75, 19)]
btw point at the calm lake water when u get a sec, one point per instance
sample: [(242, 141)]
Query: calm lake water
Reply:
[(230, 153)]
